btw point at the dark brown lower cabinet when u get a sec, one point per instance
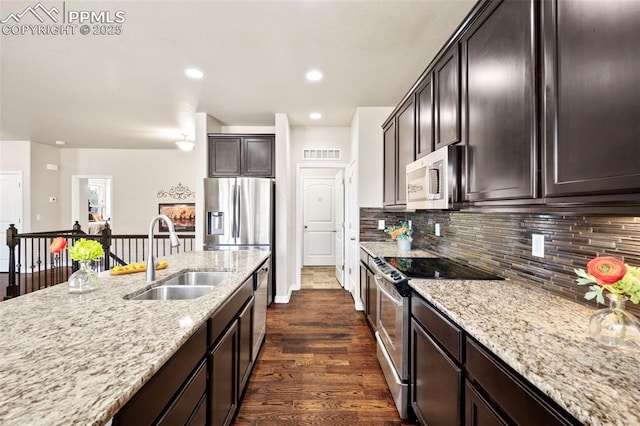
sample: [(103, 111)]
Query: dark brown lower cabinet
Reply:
[(436, 381), (454, 380), (509, 394), (156, 402), (245, 335), (223, 377), (478, 412), (203, 382), (187, 403)]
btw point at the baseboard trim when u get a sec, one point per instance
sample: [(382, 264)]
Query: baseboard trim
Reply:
[(283, 299)]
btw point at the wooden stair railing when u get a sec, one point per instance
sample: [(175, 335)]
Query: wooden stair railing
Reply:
[(32, 267)]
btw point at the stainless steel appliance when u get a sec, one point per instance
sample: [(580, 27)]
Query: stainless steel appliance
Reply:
[(433, 181), (392, 277), (263, 279), (238, 213)]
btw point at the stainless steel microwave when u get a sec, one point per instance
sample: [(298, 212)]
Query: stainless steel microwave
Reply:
[(433, 181)]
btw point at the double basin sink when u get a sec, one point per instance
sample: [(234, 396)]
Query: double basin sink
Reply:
[(189, 285)]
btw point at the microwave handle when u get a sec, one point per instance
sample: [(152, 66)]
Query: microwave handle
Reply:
[(434, 181)]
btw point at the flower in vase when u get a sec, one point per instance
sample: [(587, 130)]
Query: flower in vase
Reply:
[(400, 232), (611, 274), (86, 250), (57, 245)]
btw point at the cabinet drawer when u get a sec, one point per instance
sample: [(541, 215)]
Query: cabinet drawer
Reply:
[(187, 402), (510, 393), (150, 401), (444, 331)]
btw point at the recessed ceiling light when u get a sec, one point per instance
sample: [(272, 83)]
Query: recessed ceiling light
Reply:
[(313, 75), (194, 73), (61, 143), (315, 116)]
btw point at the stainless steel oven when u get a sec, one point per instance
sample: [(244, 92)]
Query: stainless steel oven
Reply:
[(393, 332), (392, 277)]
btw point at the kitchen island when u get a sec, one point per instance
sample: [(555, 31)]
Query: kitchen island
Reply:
[(78, 358), (544, 339)]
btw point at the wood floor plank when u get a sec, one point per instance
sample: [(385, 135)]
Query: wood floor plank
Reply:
[(318, 367)]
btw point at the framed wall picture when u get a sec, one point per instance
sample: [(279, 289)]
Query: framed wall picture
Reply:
[(182, 215)]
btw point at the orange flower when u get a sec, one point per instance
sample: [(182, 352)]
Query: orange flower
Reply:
[(606, 270), (57, 245), (395, 233)]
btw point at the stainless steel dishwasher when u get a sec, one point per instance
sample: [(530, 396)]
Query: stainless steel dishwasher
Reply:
[(260, 287)]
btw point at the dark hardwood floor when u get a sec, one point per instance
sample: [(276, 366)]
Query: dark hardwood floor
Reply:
[(317, 367)]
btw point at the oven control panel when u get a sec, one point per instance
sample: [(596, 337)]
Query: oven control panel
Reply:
[(389, 272)]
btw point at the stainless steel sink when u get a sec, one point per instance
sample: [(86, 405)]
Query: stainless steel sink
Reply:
[(197, 278), (174, 292), (189, 285)]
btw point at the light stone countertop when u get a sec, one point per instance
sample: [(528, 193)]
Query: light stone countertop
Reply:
[(78, 358), (544, 338)]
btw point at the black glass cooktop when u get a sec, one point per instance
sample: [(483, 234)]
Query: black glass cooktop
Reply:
[(430, 268)]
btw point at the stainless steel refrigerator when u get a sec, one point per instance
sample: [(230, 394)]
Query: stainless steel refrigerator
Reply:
[(239, 213)]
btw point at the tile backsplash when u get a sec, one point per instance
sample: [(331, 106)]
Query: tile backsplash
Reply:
[(501, 243)]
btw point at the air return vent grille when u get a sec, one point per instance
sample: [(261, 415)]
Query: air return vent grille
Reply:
[(322, 154)]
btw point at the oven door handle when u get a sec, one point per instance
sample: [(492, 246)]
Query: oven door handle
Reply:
[(394, 299)]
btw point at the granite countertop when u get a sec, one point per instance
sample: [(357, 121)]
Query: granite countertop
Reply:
[(78, 358), (544, 338)]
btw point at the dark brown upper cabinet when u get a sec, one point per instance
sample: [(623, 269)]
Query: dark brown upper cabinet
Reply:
[(424, 117), (399, 150), (241, 155), (592, 102), (499, 109), (389, 171), (406, 146), (446, 78)]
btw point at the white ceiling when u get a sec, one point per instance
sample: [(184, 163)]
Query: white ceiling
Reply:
[(130, 91)]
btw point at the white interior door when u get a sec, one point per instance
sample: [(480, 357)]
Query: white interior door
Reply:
[(10, 210), (339, 184), (319, 221)]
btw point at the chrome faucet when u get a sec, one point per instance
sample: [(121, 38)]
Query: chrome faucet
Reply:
[(173, 237)]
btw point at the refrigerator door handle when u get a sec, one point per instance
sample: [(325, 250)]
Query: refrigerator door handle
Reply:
[(234, 208), (237, 208)]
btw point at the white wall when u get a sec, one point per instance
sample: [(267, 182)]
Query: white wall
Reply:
[(320, 137), (284, 254), (138, 176), (45, 215), (367, 142), (204, 124)]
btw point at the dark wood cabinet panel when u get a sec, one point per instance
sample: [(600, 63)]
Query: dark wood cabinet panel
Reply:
[(223, 378), (592, 105), (372, 299), (157, 394), (257, 156), (499, 113), (363, 288), (406, 146), (514, 396), (245, 335), (436, 381), (447, 334), (241, 155), (478, 412), (224, 156), (447, 98), (424, 117), (186, 404), (389, 166)]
